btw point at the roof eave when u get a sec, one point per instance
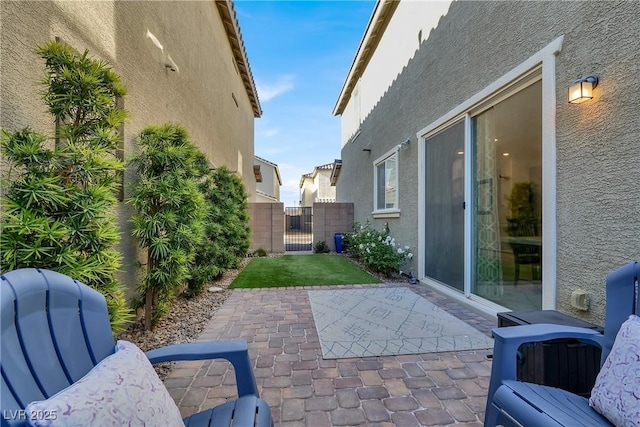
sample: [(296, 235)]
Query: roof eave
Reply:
[(380, 17), (232, 28)]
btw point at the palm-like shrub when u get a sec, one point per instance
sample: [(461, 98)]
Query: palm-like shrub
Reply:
[(170, 212), (59, 201), (226, 228)]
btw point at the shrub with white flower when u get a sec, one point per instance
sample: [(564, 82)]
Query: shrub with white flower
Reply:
[(376, 249)]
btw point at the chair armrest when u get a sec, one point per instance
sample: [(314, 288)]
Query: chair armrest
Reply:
[(518, 335), (235, 352), (508, 339)]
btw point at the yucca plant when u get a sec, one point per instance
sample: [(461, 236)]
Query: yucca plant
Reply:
[(226, 228), (170, 212), (59, 200)]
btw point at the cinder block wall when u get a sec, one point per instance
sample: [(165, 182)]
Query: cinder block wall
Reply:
[(267, 226), (331, 218)]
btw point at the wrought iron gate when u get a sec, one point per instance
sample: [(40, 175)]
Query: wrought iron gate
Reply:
[(298, 229)]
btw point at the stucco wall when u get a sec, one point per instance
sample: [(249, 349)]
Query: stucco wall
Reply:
[(307, 192), (269, 184), (598, 223), (411, 24), (198, 96), (322, 183)]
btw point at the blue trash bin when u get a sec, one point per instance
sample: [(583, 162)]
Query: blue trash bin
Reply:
[(338, 240)]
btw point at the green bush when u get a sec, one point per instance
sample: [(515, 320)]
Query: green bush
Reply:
[(227, 231), (321, 247), (170, 212), (59, 201), (377, 250), (259, 253)]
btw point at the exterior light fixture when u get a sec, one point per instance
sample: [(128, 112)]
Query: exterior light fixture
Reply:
[(403, 145), (582, 89)]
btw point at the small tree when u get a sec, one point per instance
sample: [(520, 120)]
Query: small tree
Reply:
[(226, 228), (59, 203), (171, 209)]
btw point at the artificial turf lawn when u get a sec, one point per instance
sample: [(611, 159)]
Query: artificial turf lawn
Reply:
[(301, 270)]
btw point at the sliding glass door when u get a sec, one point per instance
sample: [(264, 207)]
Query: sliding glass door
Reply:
[(507, 187), (489, 162), (444, 207)]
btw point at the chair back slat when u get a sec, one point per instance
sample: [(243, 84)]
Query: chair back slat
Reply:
[(32, 326), (95, 324), (622, 300), (13, 407), (18, 383), (66, 325), (54, 330)]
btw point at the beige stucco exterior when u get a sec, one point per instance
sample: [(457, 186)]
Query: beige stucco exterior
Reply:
[(395, 33), (268, 187), (207, 87), (590, 151), (315, 187)]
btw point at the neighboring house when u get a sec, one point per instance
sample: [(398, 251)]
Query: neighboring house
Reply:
[(181, 62), (512, 197), (319, 185), (268, 180)]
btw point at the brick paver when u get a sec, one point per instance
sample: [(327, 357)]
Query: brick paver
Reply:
[(302, 388)]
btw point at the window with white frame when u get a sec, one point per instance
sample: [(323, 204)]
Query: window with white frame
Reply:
[(386, 182)]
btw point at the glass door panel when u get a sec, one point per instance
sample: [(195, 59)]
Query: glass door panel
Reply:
[(507, 216), (444, 210)]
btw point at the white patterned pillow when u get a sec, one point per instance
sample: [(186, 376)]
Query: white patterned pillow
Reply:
[(616, 394), (123, 389)]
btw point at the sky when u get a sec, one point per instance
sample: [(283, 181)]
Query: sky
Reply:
[(300, 53)]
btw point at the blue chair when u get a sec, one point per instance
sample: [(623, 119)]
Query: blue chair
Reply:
[(512, 403), (55, 329)]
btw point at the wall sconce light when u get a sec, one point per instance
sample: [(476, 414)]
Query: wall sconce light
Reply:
[(403, 145), (582, 89)]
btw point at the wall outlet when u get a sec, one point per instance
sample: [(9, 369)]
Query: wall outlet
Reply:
[(580, 300)]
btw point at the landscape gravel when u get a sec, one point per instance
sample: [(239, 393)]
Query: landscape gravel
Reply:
[(186, 320)]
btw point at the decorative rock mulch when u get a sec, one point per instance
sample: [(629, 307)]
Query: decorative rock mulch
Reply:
[(186, 320)]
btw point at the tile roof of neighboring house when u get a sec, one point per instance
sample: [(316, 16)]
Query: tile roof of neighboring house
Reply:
[(378, 22), (232, 27), (311, 175), (266, 161), (335, 172), (268, 196), (275, 166), (324, 167)]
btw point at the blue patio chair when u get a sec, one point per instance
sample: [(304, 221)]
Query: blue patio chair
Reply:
[(511, 402), (54, 330)]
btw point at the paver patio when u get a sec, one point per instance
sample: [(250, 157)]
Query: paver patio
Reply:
[(302, 388)]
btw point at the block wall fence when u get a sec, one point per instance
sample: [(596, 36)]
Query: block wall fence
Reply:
[(267, 224), (331, 218)]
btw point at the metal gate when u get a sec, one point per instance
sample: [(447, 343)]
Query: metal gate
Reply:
[(298, 229)]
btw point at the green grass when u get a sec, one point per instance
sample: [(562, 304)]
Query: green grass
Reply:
[(301, 270)]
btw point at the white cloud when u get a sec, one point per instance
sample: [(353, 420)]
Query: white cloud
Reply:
[(268, 91)]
